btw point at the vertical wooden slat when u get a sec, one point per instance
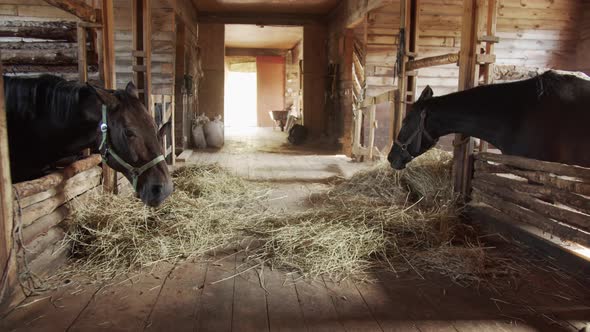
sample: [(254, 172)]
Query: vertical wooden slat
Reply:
[(488, 69), (372, 127), (82, 55), (5, 200), (468, 77), (141, 25), (108, 74), (180, 136)]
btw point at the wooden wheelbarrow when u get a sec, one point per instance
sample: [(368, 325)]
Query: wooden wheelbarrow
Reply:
[(279, 118)]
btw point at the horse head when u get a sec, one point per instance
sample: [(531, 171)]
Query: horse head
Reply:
[(130, 143), (413, 138)]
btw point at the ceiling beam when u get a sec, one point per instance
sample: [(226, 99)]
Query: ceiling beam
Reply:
[(77, 8), (260, 19), (187, 12), (350, 13), (235, 51)]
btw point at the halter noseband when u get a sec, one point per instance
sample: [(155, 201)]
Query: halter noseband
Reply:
[(421, 131), (104, 143)]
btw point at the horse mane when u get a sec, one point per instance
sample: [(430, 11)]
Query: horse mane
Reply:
[(30, 98)]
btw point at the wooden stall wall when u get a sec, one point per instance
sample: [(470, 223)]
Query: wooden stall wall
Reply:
[(212, 84), (36, 38), (583, 53), (315, 67), (270, 76), (293, 74), (163, 20)]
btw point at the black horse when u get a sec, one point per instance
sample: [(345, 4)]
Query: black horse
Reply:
[(545, 118), (50, 118)]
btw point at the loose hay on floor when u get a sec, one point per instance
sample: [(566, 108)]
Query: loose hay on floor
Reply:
[(379, 218)]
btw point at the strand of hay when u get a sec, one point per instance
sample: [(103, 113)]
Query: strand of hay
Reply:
[(378, 218)]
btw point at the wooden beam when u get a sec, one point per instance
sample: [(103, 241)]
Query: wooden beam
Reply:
[(260, 19), (234, 51), (181, 137), (141, 25), (108, 76), (186, 10), (437, 60), (7, 258), (78, 8), (350, 13), (60, 30), (468, 77)]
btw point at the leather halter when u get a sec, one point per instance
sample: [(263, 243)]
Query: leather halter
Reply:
[(105, 151), (421, 131)]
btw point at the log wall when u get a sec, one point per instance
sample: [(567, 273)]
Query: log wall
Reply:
[(550, 196), (41, 205), (533, 33), (36, 38)]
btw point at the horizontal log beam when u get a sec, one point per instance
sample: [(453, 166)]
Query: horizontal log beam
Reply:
[(260, 18), (538, 177), (28, 188), (386, 97), (54, 57), (548, 210), (438, 60), (60, 30), (78, 8), (567, 198), (513, 213), (43, 69), (536, 165), (234, 51)]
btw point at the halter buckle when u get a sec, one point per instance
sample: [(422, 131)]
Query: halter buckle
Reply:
[(103, 127)]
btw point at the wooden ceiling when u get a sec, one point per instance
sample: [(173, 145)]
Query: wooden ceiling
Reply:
[(316, 7), (252, 36)]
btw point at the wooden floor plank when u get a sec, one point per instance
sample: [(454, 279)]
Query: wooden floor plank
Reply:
[(51, 312), (178, 300), (215, 307), (249, 310), (318, 309), (284, 312), (388, 309), (352, 310), (125, 305)]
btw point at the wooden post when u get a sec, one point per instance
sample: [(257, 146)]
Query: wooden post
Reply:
[(468, 77), (180, 116), (409, 10), (372, 127), (108, 74), (82, 54), (142, 51), (488, 69), (7, 260)]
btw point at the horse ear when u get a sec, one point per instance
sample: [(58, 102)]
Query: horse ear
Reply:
[(106, 97), (132, 90), (427, 93)]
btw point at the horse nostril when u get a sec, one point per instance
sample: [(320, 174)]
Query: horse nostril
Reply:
[(157, 189)]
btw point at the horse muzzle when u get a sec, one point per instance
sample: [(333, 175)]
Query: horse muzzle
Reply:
[(154, 193)]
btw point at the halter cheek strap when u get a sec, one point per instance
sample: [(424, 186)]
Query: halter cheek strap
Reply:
[(421, 131), (105, 151)]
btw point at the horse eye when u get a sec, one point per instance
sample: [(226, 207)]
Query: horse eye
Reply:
[(129, 133)]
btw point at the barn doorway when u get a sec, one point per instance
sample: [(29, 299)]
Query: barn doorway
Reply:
[(262, 80), (241, 95)]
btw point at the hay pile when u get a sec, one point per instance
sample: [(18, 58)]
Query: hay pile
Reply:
[(380, 217)]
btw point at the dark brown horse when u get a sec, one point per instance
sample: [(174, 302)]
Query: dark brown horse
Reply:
[(50, 118), (545, 118)]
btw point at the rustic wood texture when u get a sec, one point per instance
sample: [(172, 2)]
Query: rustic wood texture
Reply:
[(314, 79), (52, 30), (436, 60), (77, 8), (28, 188), (542, 194), (109, 76), (212, 85), (186, 297)]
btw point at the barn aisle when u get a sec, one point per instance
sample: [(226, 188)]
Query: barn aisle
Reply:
[(220, 294)]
